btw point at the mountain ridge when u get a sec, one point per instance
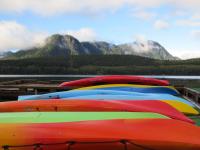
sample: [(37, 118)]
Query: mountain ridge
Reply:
[(65, 45)]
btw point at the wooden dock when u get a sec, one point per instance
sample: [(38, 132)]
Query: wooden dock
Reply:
[(10, 90)]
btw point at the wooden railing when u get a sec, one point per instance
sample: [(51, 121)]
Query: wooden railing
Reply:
[(189, 93)]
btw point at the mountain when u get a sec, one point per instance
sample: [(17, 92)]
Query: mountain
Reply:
[(63, 45), (150, 49), (102, 48)]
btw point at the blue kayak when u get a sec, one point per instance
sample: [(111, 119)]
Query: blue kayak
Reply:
[(132, 97), (72, 93), (135, 88), (103, 95)]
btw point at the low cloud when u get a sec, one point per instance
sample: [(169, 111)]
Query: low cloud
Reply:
[(187, 55), (161, 24), (83, 34), (17, 36)]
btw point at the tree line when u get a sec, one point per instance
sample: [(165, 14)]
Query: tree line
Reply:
[(100, 64)]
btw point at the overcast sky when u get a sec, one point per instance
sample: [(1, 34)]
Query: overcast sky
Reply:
[(175, 24)]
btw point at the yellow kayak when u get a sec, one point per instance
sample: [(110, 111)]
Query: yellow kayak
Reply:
[(134, 88), (182, 107)]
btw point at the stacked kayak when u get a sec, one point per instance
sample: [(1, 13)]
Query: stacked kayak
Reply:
[(150, 106), (102, 113), (118, 134), (114, 79), (135, 88)]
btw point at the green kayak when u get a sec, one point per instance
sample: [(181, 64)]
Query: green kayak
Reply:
[(54, 117)]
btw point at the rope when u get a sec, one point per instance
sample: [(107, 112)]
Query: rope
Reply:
[(69, 144), (143, 147)]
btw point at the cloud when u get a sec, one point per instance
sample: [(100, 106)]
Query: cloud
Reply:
[(83, 34), (191, 55), (141, 38), (195, 34), (161, 24), (54, 7), (189, 22), (16, 36), (195, 16), (144, 15)]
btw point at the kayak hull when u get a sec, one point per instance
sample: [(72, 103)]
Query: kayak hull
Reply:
[(73, 93), (114, 79), (103, 94), (154, 134), (163, 97), (134, 88), (95, 106), (61, 117)]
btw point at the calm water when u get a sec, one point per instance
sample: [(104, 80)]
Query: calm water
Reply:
[(84, 76)]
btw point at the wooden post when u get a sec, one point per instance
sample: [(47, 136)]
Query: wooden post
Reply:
[(35, 91)]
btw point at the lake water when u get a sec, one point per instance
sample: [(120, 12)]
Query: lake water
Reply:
[(84, 76)]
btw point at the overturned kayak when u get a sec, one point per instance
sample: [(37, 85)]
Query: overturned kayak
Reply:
[(132, 134), (132, 97), (56, 117), (95, 106), (135, 88), (183, 107), (103, 94), (114, 79), (73, 93)]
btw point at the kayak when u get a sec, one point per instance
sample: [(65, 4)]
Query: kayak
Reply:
[(131, 134), (103, 94), (182, 107), (73, 93), (114, 79), (135, 88), (95, 106), (132, 97), (56, 117)]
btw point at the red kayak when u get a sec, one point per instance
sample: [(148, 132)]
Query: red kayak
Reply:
[(128, 134), (114, 79), (96, 105)]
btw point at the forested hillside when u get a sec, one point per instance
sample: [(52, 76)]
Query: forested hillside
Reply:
[(100, 64)]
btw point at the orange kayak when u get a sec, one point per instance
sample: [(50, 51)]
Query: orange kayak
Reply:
[(95, 105), (131, 134)]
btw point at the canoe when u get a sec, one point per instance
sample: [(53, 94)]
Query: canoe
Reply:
[(103, 94), (58, 117), (136, 134), (114, 79), (95, 106), (135, 88)]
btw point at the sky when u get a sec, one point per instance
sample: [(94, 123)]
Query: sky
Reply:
[(175, 24)]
